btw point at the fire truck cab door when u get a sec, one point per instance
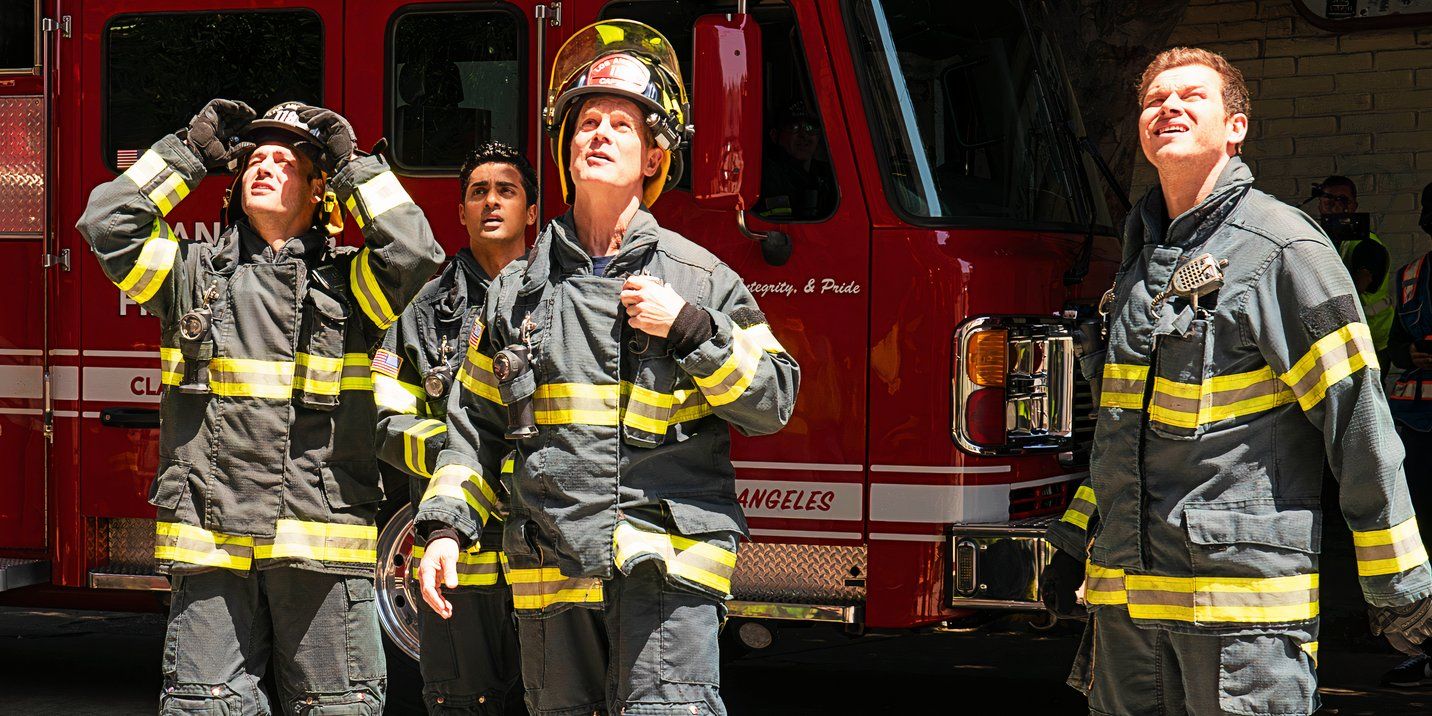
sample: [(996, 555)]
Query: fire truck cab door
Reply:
[(147, 66), (23, 183)]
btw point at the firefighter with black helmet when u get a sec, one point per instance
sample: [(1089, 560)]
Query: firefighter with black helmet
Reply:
[(268, 485), (617, 357), (468, 662)]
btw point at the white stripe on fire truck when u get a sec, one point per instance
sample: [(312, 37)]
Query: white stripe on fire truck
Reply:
[(811, 466)]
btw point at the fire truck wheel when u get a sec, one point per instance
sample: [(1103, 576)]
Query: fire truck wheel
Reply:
[(397, 610)]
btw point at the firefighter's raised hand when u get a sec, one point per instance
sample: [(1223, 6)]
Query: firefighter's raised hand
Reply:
[(439, 562), (339, 141), (209, 131), (651, 305)]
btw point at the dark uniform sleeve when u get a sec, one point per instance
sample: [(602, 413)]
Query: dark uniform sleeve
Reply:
[(743, 371), (1305, 317), (463, 492), (124, 225), (411, 431), (399, 252), (1071, 532)]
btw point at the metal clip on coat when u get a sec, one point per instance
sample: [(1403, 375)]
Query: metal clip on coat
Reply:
[(512, 366), (195, 329)]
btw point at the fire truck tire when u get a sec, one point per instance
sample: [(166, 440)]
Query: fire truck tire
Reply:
[(397, 613)]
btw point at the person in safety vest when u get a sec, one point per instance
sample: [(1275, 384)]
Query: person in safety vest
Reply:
[(1411, 401), (468, 662), (1364, 255), (618, 357), (268, 486), (1237, 362)]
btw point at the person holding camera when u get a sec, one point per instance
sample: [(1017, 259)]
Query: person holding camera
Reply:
[(1410, 347), (1362, 252)]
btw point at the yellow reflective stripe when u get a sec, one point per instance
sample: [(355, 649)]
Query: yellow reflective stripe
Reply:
[(320, 541), (463, 484), (171, 366), (541, 588), (395, 395), (1241, 600), (143, 171), (476, 375), (368, 291), (352, 203), (474, 569), (1103, 585), (176, 542), (697, 561), (1389, 551), (1257, 391), (1123, 386), (581, 403), (249, 378), (730, 381), (1081, 508), (317, 374), (379, 194), (1331, 359), (1311, 649), (415, 444), (169, 193), (357, 372), (156, 260)]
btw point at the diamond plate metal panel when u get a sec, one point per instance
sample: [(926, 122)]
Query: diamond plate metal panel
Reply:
[(800, 573), (22, 165), (131, 546)]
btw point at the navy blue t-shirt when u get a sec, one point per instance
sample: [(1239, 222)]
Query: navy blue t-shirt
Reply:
[(599, 264)]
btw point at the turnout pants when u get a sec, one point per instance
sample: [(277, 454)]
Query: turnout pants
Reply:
[(469, 662), (1130, 670), (649, 648), (321, 631)]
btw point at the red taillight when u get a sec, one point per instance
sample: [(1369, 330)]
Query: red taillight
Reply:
[(984, 416)]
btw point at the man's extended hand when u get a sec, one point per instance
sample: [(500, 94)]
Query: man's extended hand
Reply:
[(1407, 627), (439, 560), (208, 132), (1059, 585), (651, 305)]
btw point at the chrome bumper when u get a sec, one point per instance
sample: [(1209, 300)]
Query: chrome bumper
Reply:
[(998, 566)]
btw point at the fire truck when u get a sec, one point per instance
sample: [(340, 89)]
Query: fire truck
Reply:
[(903, 185)]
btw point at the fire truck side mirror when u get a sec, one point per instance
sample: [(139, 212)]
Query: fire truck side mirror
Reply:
[(726, 109)]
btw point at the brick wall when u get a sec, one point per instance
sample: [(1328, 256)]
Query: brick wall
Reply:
[(1358, 104)]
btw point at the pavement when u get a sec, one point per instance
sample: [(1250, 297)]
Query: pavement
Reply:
[(77, 662)]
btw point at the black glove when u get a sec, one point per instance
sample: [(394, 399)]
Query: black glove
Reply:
[(1059, 585), (1407, 627), (339, 141), (209, 131)]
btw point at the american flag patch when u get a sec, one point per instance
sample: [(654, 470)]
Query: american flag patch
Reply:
[(387, 363), (475, 338)]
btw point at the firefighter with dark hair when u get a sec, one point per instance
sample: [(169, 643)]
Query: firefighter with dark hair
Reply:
[(618, 356), (468, 662), (1238, 360), (268, 487)]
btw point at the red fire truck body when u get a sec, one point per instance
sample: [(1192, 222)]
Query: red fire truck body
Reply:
[(926, 297)]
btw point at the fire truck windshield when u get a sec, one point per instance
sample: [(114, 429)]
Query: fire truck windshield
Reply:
[(976, 120)]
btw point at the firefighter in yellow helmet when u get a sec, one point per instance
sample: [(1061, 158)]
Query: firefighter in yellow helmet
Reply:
[(618, 357)]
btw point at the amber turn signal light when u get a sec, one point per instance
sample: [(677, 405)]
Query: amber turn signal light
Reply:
[(985, 358)]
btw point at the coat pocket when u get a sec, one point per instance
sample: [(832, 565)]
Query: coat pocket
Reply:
[(318, 373), (169, 486), (351, 484), (650, 404), (1179, 406), (1255, 562), (692, 517)]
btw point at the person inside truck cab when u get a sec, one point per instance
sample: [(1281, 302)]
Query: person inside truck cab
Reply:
[(1238, 361), (618, 356), (268, 487), (795, 182)]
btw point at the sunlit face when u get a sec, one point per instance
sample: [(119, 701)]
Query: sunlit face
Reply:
[(1184, 118), (607, 145), (495, 206), (1336, 200), (279, 182)]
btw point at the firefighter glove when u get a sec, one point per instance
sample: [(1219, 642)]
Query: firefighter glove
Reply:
[(339, 141), (209, 131), (1406, 627), (1059, 585)]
